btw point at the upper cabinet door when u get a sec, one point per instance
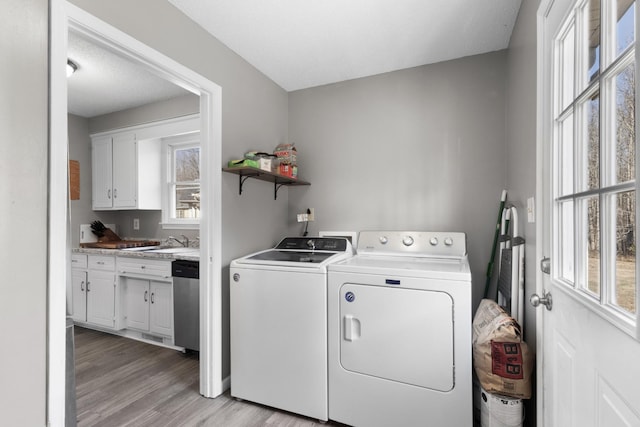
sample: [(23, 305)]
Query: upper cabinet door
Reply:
[(101, 166), (125, 171)]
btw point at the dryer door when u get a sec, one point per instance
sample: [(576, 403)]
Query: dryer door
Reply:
[(398, 334)]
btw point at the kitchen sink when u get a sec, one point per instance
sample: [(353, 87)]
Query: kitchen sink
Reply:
[(177, 250)]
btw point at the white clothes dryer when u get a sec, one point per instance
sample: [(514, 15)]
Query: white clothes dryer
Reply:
[(278, 313), (400, 331)]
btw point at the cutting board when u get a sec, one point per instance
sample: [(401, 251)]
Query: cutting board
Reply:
[(120, 244)]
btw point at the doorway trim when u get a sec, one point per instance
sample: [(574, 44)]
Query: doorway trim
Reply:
[(65, 16)]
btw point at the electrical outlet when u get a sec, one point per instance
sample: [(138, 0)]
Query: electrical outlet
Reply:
[(311, 215), (136, 223)]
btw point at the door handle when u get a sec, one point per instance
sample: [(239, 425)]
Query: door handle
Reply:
[(351, 328), (152, 294), (82, 286), (108, 194), (146, 293), (545, 300)]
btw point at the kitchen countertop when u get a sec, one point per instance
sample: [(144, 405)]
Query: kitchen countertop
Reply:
[(190, 256)]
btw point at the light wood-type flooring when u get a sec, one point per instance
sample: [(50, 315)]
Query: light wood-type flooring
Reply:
[(123, 382)]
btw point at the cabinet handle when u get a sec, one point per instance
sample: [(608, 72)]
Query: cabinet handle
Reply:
[(109, 194), (88, 283), (115, 193), (152, 301), (145, 296), (82, 286), (100, 262)]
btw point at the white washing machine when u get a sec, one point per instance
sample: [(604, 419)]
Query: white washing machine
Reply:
[(400, 332), (278, 326)]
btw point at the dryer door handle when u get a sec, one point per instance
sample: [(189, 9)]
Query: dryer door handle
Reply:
[(351, 328)]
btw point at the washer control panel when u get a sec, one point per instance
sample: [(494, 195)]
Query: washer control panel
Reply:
[(414, 243)]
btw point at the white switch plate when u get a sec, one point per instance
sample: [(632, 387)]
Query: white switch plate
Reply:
[(531, 210), (136, 223)]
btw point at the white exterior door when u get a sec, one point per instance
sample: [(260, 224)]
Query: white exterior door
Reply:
[(588, 342)]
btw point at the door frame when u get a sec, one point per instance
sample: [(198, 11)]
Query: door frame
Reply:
[(542, 102), (63, 16)]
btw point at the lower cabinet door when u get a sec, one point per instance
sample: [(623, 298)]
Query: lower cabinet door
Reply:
[(101, 294), (137, 297), (79, 295), (161, 310)]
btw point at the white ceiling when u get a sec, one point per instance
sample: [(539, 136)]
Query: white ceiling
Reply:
[(302, 43), (305, 43)]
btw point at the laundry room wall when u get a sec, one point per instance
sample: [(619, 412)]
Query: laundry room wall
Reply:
[(254, 116), (521, 154), (416, 149)]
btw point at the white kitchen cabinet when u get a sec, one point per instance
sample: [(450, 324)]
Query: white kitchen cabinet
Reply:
[(136, 300), (161, 310), (101, 298), (148, 295), (148, 305), (126, 172), (79, 295)]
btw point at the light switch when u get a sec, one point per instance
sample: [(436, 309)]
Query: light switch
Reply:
[(136, 223), (531, 210)]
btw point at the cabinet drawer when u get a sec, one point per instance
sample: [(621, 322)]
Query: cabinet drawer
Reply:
[(98, 262), (78, 261), (146, 267)]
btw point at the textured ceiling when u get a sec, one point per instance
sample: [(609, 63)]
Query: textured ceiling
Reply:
[(105, 82), (305, 43)]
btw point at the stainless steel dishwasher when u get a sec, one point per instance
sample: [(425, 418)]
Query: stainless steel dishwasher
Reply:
[(186, 303)]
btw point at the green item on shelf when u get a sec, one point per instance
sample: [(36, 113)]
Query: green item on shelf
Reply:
[(244, 163)]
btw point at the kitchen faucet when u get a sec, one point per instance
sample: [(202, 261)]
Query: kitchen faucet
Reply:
[(184, 243)]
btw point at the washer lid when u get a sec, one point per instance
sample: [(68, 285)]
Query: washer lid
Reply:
[(292, 256)]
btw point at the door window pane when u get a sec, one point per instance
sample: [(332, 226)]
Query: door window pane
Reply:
[(592, 226), (625, 125), (593, 39), (566, 70), (625, 268), (567, 241), (591, 144), (566, 156), (625, 25)]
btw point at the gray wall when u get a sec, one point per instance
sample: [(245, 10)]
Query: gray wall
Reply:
[(254, 116), (422, 148), (521, 152), (156, 111), (23, 202)]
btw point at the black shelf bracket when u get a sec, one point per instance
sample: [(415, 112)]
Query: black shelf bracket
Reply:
[(242, 179), (276, 187)]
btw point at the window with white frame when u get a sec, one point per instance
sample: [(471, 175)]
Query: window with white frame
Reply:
[(181, 172), (594, 140)]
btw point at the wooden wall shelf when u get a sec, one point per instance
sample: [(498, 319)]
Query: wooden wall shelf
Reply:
[(278, 180)]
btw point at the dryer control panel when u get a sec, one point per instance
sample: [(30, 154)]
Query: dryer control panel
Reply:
[(413, 243)]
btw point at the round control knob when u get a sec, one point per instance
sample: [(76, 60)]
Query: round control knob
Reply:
[(433, 241), (448, 241), (407, 241), (311, 244), (383, 240)]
